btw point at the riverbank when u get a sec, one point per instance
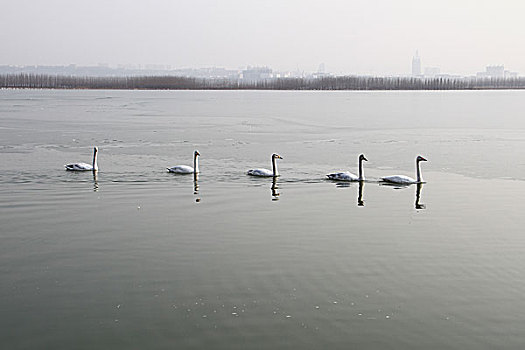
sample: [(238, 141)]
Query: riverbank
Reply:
[(44, 81)]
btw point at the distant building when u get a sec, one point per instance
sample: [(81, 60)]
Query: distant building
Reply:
[(155, 67), (321, 72), (496, 72), (255, 74), (416, 65), (432, 72)]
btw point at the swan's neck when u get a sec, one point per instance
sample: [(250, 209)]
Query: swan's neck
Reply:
[(95, 165), (418, 173), (361, 177), (274, 167), (196, 163)]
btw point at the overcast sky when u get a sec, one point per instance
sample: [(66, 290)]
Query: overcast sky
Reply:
[(349, 36)]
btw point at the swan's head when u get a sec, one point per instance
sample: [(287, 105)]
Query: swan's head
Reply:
[(362, 157), (275, 155), (95, 149), (196, 153), (420, 159)]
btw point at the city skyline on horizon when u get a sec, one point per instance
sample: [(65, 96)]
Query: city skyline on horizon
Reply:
[(349, 37), (422, 70)]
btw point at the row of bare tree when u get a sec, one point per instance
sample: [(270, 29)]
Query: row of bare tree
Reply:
[(43, 81)]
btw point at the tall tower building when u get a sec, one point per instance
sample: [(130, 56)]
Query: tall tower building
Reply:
[(416, 65)]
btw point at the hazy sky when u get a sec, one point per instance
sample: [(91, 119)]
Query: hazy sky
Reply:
[(349, 36)]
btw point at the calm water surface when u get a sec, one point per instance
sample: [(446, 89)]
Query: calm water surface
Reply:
[(139, 258)]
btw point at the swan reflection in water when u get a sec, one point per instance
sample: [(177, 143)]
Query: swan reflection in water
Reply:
[(360, 201), (419, 188), (275, 188), (95, 182), (418, 196), (196, 187)]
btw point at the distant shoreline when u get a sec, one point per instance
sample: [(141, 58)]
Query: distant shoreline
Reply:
[(340, 83)]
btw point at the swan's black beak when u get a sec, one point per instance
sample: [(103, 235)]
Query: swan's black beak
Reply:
[(423, 159), (364, 158)]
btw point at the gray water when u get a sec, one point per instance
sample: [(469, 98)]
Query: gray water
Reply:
[(136, 258)]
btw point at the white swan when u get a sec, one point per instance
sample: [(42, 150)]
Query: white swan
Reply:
[(348, 176), (405, 180), (84, 166), (266, 172), (185, 169)]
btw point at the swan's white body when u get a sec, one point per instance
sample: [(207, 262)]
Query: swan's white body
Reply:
[(79, 167), (266, 172), (186, 169), (343, 176), (84, 166), (181, 169), (407, 180), (260, 172), (348, 176), (400, 179)]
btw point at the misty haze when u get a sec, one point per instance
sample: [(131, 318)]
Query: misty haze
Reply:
[(262, 174)]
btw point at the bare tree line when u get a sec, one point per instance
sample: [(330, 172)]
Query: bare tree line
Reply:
[(43, 81)]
